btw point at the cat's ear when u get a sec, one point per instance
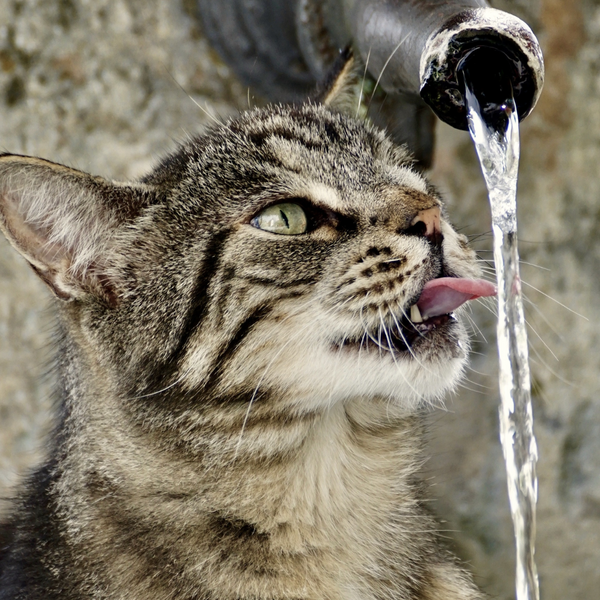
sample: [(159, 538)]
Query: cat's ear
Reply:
[(63, 222), (341, 89)]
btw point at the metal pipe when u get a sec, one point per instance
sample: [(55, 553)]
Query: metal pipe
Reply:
[(413, 48)]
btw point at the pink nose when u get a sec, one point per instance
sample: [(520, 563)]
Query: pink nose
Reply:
[(429, 224)]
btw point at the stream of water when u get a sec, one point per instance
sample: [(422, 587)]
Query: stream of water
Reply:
[(497, 145)]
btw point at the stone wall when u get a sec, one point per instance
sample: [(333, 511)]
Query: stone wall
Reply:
[(108, 86)]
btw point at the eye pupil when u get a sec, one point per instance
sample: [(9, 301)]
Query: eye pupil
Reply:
[(286, 218)]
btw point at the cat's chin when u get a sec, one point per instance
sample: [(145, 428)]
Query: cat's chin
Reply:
[(407, 382), (412, 369), (328, 372)]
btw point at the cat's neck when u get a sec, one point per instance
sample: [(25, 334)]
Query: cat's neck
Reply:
[(306, 473), (334, 489), (353, 460)]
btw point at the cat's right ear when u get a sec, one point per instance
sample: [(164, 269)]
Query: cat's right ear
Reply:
[(341, 90), (62, 221)]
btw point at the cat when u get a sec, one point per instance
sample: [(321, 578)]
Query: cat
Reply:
[(248, 337)]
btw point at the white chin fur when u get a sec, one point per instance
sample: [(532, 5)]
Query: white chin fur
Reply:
[(309, 370), (321, 376)]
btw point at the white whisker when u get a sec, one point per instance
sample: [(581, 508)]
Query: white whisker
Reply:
[(388, 60), (475, 326), (542, 362), (399, 328), (542, 316), (168, 387), (391, 350), (204, 110), (539, 337), (360, 95), (555, 300), (535, 266)]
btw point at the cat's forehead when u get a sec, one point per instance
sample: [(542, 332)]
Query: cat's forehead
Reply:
[(311, 137), (310, 151)]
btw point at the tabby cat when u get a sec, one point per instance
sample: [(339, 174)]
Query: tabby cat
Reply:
[(247, 337)]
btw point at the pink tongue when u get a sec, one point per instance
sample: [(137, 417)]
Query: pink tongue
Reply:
[(443, 295)]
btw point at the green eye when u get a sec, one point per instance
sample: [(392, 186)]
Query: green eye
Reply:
[(285, 218)]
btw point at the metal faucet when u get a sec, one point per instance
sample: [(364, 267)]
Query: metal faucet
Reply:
[(413, 49)]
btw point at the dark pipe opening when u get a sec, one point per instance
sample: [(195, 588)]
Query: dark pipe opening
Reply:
[(488, 73), (491, 63)]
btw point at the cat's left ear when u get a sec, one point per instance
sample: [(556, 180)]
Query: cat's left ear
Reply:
[(63, 222), (341, 89)]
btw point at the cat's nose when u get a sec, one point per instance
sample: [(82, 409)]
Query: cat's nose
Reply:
[(427, 223)]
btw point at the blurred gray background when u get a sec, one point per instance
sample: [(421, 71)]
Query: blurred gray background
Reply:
[(109, 86)]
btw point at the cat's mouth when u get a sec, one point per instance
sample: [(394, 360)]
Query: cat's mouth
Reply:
[(434, 310), (398, 338)]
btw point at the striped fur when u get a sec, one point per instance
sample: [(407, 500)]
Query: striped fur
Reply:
[(234, 423)]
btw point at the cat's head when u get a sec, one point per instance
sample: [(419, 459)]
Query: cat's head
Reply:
[(282, 253)]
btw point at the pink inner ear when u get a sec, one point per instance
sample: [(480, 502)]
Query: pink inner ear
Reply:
[(445, 294), (57, 219), (27, 237), (49, 259)]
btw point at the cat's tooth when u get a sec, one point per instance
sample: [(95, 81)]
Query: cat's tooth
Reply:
[(415, 314)]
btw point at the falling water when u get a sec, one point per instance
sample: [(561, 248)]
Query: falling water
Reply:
[(494, 128)]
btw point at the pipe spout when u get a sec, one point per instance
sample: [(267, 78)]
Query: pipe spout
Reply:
[(414, 49), (505, 49), (418, 47)]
